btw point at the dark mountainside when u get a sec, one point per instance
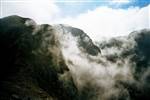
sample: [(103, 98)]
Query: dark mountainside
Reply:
[(29, 70), (44, 62), (31, 62)]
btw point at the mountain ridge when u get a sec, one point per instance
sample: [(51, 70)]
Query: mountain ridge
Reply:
[(59, 62)]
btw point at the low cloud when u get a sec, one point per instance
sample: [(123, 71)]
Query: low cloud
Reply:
[(121, 71), (108, 22)]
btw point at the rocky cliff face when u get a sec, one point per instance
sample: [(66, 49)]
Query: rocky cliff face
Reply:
[(59, 62)]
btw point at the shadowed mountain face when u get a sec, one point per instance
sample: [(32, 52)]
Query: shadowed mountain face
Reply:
[(31, 61), (59, 62)]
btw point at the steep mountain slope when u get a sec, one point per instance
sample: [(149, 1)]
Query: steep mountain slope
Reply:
[(32, 65)]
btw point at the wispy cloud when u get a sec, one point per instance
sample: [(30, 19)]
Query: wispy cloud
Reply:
[(120, 1)]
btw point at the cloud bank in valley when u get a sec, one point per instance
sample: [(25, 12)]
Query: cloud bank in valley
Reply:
[(119, 72), (115, 69)]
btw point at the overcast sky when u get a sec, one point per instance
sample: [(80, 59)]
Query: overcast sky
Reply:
[(98, 18)]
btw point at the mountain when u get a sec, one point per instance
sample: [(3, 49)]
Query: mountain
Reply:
[(31, 60), (60, 62)]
